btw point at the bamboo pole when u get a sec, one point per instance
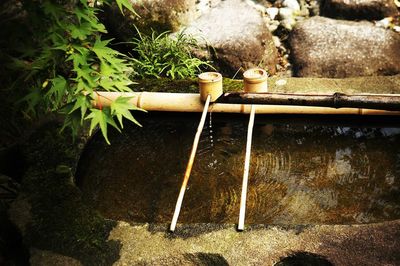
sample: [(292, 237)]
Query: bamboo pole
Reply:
[(336, 100), (189, 165), (190, 102), (246, 170)]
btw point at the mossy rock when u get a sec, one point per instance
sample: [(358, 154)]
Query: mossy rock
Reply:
[(59, 220), (378, 84)]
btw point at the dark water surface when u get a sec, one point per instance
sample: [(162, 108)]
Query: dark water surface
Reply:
[(304, 170)]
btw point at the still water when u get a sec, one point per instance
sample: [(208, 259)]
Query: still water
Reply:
[(304, 170)]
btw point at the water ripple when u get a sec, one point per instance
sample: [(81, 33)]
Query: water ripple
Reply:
[(299, 173)]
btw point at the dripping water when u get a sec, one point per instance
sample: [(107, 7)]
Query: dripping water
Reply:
[(211, 131)]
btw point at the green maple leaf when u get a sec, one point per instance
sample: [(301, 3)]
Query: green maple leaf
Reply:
[(33, 99), (102, 51), (106, 69), (101, 118), (57, 91), (78, 61), (72, 122), (106, 54), (52, 9), (121, 108), (81, 31), (84, 73), (125, 3), (82, 102)]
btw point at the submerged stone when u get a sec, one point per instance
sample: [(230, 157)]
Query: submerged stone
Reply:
[(323, 47)]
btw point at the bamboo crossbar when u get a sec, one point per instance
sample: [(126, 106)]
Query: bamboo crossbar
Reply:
[(390, 102), (190, 102), (189, 165)]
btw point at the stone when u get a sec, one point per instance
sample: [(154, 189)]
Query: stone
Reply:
[(304, 13), (235, 37), (324, 47), (204, 6), (384, 23), (292, 4), (257, 6), (273, 25), (314, 8), (20, 214), (288, 23), (277, 41), (49, 258), (272, 12), (285, 13), (157, 15), (359, 9), (369, 244)]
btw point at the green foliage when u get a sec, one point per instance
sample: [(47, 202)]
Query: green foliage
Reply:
[(165, 56), (65, 62), (125, 4), (68, 63)]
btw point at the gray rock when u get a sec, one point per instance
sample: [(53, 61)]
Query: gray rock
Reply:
[(272, 12), (384, 23), (238, 37), (204, 6), (277, 41), (157, 15), (288, 23), (285, 13), (273, 25), (323, 47), (292, 4), (359, 9), (314, 8)]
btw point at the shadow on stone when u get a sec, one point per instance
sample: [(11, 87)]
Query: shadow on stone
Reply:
[(58, 221), (185, 231), (206, 259), (304, 259), (13, 163), (12, 250)]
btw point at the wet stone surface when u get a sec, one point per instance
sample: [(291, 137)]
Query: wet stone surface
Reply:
[(374, 244)]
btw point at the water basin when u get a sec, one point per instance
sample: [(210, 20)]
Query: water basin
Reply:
[(304, 170)]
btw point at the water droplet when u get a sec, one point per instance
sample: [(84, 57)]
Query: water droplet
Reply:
[(210, 131)]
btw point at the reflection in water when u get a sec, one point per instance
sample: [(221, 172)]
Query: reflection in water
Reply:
[(301, 172)]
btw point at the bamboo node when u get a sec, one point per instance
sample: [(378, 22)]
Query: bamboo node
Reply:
[(210, 83)]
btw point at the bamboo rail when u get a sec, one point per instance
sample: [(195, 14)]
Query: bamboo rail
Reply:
[(190, 102), (337, 100), (189, 165)]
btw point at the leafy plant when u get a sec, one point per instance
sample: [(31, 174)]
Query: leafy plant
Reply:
[(65, 62), (165, 56), (68, 63)]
